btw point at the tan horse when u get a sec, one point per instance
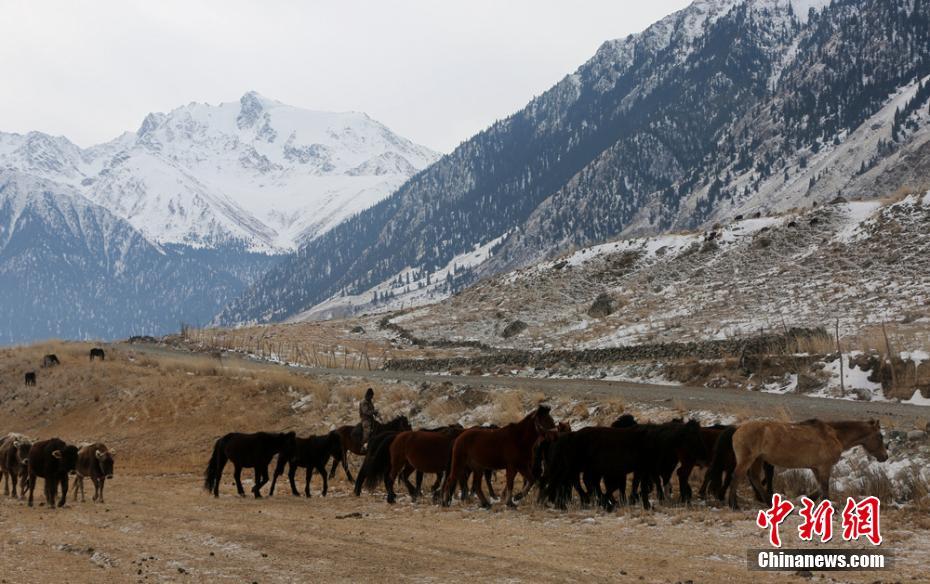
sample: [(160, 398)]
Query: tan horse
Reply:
[(812, 444)]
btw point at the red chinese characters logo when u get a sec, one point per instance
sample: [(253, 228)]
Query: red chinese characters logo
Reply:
[(817, 520), (862, 519), (773, 518)]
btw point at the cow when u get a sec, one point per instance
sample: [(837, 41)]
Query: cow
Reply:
[(95, 462), (30, 378), (50, 361), (14, 460), (97, 353), (52, 460)]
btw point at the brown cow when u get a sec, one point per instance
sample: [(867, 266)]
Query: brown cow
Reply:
[(95, 462), (52, 460), (14, 454)]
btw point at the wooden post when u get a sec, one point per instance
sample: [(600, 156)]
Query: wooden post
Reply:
[(840, 351), (894, 377)]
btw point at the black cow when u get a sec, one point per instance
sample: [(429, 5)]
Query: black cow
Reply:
[(97, 353), (50, 361), (30, 378), (52, 460)]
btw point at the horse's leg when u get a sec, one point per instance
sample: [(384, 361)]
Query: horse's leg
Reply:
[(414, 490), (345, 465), (332, 471), (389, 478), (742, 467), (13, 476), (528, 481), (645, 485), (684, 473), (511, 474), (261, 477), (103, 481), (823, 477), (753, 475), (419, 483), (702, 492), (488, 476), (479, 490), (6, 483), (307, 476), (322, 471), (237, 475)]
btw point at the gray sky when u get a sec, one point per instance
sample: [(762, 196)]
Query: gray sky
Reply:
[(435, 71)]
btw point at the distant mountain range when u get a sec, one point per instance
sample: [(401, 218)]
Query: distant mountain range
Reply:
[(725, 108), (171, 222)]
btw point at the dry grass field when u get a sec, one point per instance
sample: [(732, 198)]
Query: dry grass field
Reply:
[(162, 413)]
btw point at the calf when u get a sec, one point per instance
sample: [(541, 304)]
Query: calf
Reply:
[(95, 462), (14, 460), (30, 378), (97, 353), (51, 460), (50, 361)]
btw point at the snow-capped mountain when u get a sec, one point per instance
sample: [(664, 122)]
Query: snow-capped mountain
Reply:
[(725, 108), (71, 269), (256, 174)]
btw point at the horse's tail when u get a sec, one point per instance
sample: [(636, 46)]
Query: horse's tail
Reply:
[(377, 462), (723, 450), (211, 476)]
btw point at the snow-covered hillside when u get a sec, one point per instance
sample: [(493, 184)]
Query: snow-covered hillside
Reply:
[(255, 173)]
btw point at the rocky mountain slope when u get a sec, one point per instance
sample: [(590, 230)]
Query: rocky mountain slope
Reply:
[(256, 174), (862, 263), (725, 108)]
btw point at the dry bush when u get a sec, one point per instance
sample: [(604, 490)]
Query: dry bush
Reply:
[(796, 483), (507, 407), (915, 487)]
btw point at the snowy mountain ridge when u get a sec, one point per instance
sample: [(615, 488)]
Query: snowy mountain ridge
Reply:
[(256, 174)]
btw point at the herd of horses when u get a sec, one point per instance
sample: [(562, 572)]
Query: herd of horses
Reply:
[(593, 463)]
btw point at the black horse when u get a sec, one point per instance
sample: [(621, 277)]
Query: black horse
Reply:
[(723, 464), (50, 361), (97, 353), (595, 454), (247, 451), (30, 378), (312, 454), (351, 437)]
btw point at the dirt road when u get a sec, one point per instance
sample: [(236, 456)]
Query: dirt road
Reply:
[(693, 398), (166, 529)]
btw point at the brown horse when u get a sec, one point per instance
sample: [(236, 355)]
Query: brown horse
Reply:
[(351, 439), (423, 452), (812, 444), (478, 450)]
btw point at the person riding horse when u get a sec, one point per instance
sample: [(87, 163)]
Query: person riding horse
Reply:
[(368, 414)]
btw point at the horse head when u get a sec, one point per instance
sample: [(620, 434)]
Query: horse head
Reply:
[(542, 419), (874, 443)]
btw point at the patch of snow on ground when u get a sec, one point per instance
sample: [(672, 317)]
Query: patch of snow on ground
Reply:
[(918, 399)]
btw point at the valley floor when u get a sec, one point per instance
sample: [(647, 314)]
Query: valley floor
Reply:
[(166, 529)]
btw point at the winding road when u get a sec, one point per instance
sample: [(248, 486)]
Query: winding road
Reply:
[(797, 407)]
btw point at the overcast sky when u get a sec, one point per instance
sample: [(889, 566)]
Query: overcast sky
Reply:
[(435, 71)]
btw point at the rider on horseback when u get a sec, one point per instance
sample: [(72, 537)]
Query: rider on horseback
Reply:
[(368, 414)]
